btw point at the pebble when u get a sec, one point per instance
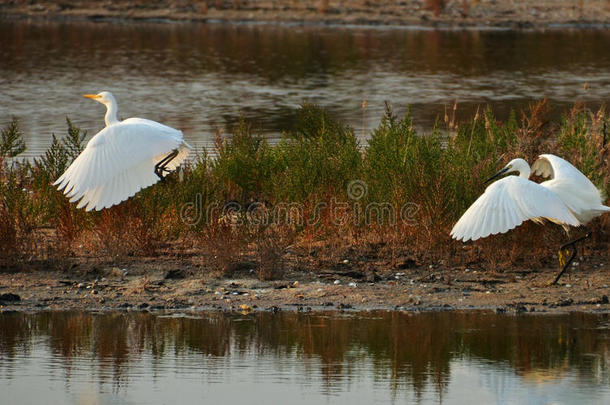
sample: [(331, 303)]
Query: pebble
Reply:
[(337, 282), (352, 284), (10, 297)]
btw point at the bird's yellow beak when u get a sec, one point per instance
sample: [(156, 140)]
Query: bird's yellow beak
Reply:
[(91, 96)]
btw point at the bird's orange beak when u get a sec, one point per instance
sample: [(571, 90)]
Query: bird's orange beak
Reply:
[(91, 96)]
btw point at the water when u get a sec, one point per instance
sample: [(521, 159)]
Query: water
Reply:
[(333, 358), (201, 78)]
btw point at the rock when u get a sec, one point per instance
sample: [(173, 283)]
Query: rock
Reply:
[(520, 308), (143, 305), (9, 297), (565, 302), (174, 274), (604, 299), (274, 309)]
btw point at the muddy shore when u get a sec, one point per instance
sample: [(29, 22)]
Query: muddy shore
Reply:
[(425, 13), (164, 284)]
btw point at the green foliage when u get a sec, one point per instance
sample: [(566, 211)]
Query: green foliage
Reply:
[(60, 154), (389, 159), (442, 172), (319, 157), (243, 164), (11, 140)]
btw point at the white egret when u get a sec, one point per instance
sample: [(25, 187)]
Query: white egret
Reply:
[(568, 198), (120, 160)]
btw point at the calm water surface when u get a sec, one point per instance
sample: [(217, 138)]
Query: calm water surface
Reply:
[(201, 78), (262, 358)]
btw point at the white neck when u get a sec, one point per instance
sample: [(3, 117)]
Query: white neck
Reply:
[(112, 110), (522, 167)]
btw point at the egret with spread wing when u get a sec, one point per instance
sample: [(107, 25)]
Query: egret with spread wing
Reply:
[(120, 160), (568, 199)]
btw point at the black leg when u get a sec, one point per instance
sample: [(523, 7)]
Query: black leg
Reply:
[(566, 245), (162, 165)]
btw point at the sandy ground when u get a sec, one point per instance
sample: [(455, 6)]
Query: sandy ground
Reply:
[(435, 13), (162, 284)]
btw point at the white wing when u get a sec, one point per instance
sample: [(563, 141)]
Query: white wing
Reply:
[(571, 186), (506, 204), (119, 161), (557, 168)]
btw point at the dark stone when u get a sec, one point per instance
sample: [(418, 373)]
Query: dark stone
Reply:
[(500, 310), (143, 305), (274, 309), (9, 297), (344, 306), (565, 302), (520, 308), (174, 274), (604, 299)]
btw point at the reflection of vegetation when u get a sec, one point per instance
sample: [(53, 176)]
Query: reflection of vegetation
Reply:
[(415, 350), (278, 53)]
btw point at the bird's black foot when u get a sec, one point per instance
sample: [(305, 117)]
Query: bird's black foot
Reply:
[(161, 167), (564, 248)]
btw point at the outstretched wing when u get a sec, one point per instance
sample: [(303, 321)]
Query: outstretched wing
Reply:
[(552, 166), (119, 161), (577, 192), (506, 204)]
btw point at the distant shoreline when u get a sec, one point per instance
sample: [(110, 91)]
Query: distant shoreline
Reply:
[(481, 14)]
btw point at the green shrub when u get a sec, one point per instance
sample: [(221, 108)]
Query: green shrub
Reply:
[(318, 158)]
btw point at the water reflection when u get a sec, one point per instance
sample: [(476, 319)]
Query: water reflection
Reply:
[(382, 356), (201, 77)]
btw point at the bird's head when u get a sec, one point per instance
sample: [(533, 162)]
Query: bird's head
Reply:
[(516, 165), (105, 97)]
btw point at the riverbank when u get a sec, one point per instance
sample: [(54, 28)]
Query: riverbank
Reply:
[(425, 13), (316, 221), (164, 284)]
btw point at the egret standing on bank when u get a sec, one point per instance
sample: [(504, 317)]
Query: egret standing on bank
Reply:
[(120, 160), (568, 198)]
